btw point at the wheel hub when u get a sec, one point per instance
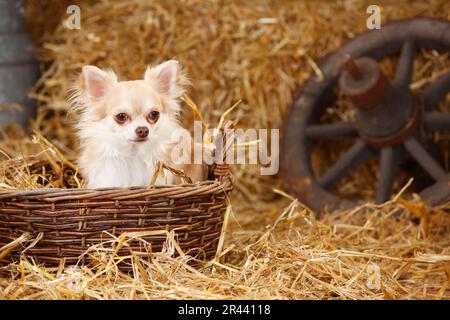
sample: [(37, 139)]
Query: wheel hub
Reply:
[(386, 114)]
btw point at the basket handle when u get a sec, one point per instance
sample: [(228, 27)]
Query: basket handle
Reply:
[(224, 143)]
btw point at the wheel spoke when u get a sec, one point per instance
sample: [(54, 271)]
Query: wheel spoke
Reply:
[(331, 131), (435, 92), (353, 158), (405, 65), (423, 158), (386, 174), (437, 121)]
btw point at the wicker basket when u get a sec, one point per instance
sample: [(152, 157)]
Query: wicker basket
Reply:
[(72, 220)]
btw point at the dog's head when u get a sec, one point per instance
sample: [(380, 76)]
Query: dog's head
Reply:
[(129, 112)]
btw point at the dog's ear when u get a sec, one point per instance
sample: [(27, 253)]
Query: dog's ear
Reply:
[(168, 78), (95, 82)]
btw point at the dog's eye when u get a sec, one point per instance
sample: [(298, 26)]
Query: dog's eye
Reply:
[(153, 116), (121, 117)]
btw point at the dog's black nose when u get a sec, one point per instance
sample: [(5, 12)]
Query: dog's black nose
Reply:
[(142, 132)]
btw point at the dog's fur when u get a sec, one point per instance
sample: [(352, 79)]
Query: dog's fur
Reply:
[(110, 155)]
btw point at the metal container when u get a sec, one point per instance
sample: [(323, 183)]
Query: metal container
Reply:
[(19, 67)]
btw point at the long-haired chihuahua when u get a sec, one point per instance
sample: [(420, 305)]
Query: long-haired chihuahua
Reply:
[(126, 127)]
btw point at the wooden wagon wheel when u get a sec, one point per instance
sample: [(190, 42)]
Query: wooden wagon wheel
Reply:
[(390, 118)]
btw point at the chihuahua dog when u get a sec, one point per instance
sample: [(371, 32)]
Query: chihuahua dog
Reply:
[(126, 127)]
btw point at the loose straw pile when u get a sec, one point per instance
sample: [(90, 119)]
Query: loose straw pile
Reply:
[(366, 253)]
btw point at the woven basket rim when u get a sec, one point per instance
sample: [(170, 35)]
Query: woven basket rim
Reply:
[(114, 193)]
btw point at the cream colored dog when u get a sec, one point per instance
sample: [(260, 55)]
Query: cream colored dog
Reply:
[(126, 127)]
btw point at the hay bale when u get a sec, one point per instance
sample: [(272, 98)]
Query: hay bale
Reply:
[(251, 50)]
